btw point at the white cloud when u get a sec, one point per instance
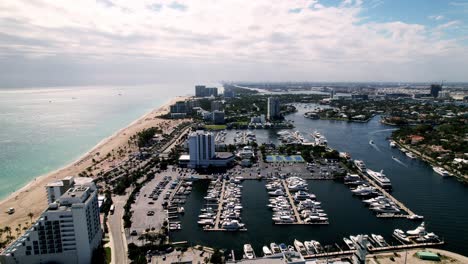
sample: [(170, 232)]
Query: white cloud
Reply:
[(317, 41)]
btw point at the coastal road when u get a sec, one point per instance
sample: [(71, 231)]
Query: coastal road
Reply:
[(117, 235), (175, 141)]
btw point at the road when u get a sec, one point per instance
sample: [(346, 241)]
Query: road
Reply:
[(117, 236)]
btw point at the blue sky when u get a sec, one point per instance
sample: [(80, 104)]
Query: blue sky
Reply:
[(113, 41)]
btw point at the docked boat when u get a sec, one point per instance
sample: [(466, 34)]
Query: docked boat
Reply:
[(400, 235), (379, 240), (441, 171), (290, 248), (410, 155), (266, 251), (419, 230), (300, 247), (283, 247), (317, 246), (393, 144), (275, 249), (379, 178), (248, 251), (360, 165), (232, 225), (309, 247), (277, 192), (349, 243)]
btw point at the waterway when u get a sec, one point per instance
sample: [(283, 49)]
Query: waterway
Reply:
[(442, 201)]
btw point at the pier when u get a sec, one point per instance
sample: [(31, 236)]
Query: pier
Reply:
[(386, 194), (291, 202)]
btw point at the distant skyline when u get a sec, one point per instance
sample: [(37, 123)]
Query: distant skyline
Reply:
[(111, 42)]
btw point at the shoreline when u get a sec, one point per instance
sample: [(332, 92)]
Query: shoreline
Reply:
[(35, 188)]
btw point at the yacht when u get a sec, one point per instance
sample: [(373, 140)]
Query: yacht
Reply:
[(309, 247), (317, 246), (386, 209), (283, 247), (290, 248), (248, 251), (232, 225), (360, 165), (275, 249), (419, 230), (266, 251), (206, 222), (300, 247), (277, 192), (441, 171), (349, 243), (410, 155), (379, 240), (363, 190), (400, 235), (393, 144), (371, 142), (379, 178)]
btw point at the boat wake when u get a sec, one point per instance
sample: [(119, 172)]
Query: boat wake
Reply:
[(375, 147), (382, 130), (399, 161)]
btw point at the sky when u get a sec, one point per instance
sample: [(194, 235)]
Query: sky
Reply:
[(69, 42)]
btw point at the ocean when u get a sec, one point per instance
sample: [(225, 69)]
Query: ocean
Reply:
[(44, 129)]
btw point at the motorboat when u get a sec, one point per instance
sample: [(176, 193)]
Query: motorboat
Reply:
[(360, 165), (410, 155), (277, 192), (206, 222), (349, 243), (290, 248), (393, 144), (248, 251), (415, 217), (371, 142), (379, 178), (419, 230), (379, 240), (283, 247), (441, 171), (232, 225), (266, 251), (400, 235), (317, 246), (309, 247), (275, 249), (300, 247)]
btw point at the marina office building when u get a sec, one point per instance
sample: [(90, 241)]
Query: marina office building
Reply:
[(68, 231)]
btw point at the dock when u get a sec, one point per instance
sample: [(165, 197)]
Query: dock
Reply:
[(406, 246), (291, 202), (386, 194)]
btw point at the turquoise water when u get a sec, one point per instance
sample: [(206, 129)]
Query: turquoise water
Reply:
[(43, 129)]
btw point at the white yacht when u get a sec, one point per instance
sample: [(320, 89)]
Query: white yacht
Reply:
[(419, 230), (400, 235), (232, 225), (392, 144), (300, 247), (248, 251), (317, 246), (277, 192), (441, 171), (349, 243), (309, 247), (275, 249), (380, 178), (379, 240), (266, 251), (410, 155), (360, 165)]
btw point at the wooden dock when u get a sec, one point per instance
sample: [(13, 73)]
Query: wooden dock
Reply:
[(220, 206), (330, 254), (406, 246), (291, 202), (386, 194)]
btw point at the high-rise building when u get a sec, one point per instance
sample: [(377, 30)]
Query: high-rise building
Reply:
[(435, 89), (216, 106), (217, 117), (332, 93), (201, 147), (200, 90), (273, 109), (68, 231)]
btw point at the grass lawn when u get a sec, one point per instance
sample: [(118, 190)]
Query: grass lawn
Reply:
[(215, 127), (108, 254)]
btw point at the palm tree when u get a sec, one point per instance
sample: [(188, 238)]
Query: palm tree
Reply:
[(7, 230), (31, 216), (1, 234)]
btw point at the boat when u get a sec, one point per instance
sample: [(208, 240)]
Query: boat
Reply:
[(349, 243), (317, 246), (419, 230), (379, 240), (360, 165), (371, 142), (380, 178), (232, 225), (277, 192), (393, 144), (290, 248), (266, 251), (309, 247), (415, 217), (283, 247), (300, 247), (275, 249), (410, 155), (400, 235), (248, 251), (441, 171)]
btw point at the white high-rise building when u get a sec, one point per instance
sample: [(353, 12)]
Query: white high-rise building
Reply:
[(202, 151), (68, 231), (273, 108)]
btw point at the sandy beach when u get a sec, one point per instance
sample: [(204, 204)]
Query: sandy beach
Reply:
[(32, 197)]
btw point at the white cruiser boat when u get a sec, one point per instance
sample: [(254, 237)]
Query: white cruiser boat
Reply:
[(410, 155), (248, 251), (349, 243), (275, 249), (419, 230), (360, 165), (441, 171), (379, 178), (300, 247), (232, 225), (266, 251), (400, 235), (393, 144), (379, 240), (277, 192), (317, 246), (309, 247)]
